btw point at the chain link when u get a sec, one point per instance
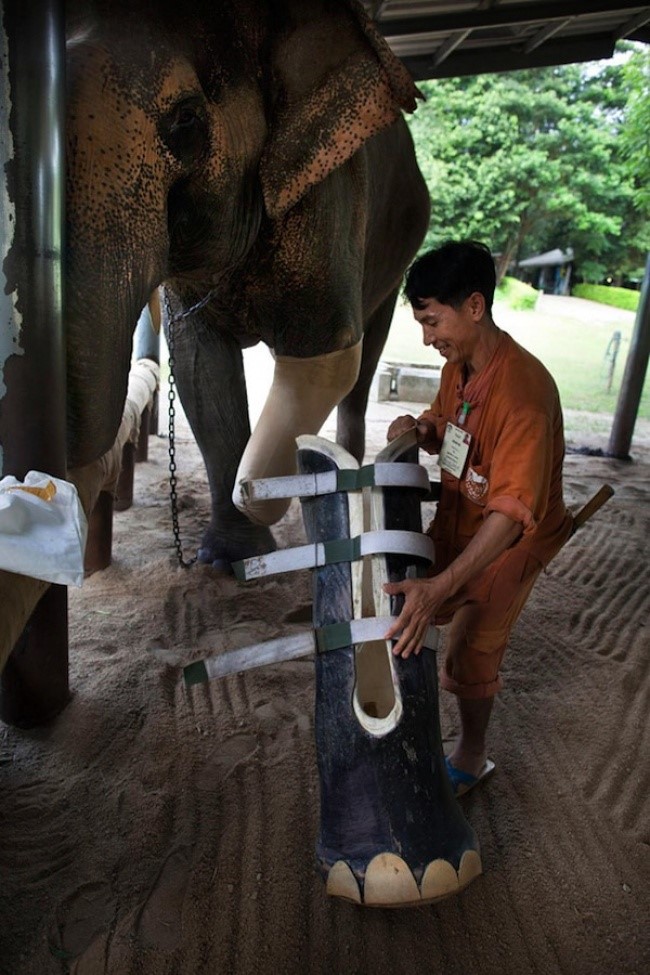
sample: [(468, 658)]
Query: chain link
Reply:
[(171, 396)]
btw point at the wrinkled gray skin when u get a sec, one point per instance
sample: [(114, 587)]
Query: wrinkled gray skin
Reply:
[(224, 150)]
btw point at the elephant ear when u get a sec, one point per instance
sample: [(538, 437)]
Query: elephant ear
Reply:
[(338, 84)]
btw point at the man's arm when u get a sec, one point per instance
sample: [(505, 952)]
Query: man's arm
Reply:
[(424, 596)]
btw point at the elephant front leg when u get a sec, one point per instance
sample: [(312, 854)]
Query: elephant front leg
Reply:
[(209, 372)]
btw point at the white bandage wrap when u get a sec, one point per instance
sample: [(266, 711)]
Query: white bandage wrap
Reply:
[(303, 394)]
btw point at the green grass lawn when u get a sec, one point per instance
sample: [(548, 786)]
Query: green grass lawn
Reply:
[(570, 337)]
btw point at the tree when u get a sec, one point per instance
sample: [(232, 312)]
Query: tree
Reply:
[(528, 161), (635, 130)]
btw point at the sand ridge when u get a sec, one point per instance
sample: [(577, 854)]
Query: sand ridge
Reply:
[(152, 830)]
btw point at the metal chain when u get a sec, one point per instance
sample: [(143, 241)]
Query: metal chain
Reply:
[(171, 396)]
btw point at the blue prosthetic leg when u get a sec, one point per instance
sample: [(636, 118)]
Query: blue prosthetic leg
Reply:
[(391, 831)]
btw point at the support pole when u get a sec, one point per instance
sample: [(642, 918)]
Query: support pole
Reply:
[(636, 367), (146, 345), (34, 684)]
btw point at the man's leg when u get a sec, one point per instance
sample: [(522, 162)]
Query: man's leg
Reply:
[(470, 750), (474, 678), (475, 645)]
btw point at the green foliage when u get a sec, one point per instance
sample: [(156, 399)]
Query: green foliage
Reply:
[(531, 160), (635, 139), (617, 297), (516, 294), (576, 349)]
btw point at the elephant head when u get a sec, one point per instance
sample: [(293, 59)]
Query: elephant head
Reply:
[(147, 138), (194, 131)]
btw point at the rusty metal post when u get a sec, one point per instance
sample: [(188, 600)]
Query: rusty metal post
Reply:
[(34, 685), (636, 367)]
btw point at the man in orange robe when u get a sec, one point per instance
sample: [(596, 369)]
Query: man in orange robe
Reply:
[(497, 425)]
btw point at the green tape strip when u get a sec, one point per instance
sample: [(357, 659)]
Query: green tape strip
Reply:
[(333, 637), (342, 550), (195, 673), (347, 480), (239, 570)]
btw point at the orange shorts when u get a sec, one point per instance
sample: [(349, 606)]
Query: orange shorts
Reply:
[(481, 618)]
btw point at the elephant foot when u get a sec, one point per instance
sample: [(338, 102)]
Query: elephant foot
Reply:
[(388, 881), (219, 549)]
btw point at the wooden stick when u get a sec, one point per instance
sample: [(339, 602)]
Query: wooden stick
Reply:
[(592, 506)]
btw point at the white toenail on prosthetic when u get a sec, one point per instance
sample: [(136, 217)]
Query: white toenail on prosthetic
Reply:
[(389, 881), (341, 882)]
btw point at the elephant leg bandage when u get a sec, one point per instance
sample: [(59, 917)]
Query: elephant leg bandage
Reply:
[(303, 394)]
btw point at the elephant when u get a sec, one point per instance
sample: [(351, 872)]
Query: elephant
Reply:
[(248, 161)]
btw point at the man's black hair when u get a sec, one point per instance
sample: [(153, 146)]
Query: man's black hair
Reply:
[(451, 273)]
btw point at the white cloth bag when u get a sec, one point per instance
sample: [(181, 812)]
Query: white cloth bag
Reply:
[(43, 529)]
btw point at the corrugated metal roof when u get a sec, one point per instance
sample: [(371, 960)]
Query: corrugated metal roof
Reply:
[(439, 39)]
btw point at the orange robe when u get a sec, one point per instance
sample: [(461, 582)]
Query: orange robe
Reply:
[(515, 458)]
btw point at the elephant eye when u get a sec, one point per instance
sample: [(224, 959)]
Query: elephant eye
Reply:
[(184, 130), (186, 116)]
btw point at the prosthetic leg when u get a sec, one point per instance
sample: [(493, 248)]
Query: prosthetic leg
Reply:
[(391, 832)]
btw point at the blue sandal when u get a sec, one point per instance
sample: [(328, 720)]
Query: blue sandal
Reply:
[(462, 782)]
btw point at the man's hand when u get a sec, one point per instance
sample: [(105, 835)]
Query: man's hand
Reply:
[(424, 431), (422, 597), (421, 600)]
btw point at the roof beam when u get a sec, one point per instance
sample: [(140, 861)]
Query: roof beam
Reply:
[(546, 33), (377, 8), (488, 61), (503, 16), (449, 46), (641, 18)]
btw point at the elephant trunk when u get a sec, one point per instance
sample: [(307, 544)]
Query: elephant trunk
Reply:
[(302, 395)]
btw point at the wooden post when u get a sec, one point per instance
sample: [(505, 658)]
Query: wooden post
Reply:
[(636, 366), (34, 684)]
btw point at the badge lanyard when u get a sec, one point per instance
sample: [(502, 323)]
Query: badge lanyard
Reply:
[(456, 444)]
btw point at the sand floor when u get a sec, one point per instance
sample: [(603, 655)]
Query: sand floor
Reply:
[(152, 830)]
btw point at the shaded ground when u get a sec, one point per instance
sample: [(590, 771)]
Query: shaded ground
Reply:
[(150, 831)]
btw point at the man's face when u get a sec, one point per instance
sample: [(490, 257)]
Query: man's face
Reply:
[(452, 332)]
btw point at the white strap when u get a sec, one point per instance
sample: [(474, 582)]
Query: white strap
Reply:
[(259, 655), (338, 550), (338, 635), (328, 482), (332, 637), (291, 486)]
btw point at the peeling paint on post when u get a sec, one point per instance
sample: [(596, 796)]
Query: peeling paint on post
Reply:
[(10, 318), (34, 683)]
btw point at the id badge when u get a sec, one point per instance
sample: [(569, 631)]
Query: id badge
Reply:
[(454, 450)]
